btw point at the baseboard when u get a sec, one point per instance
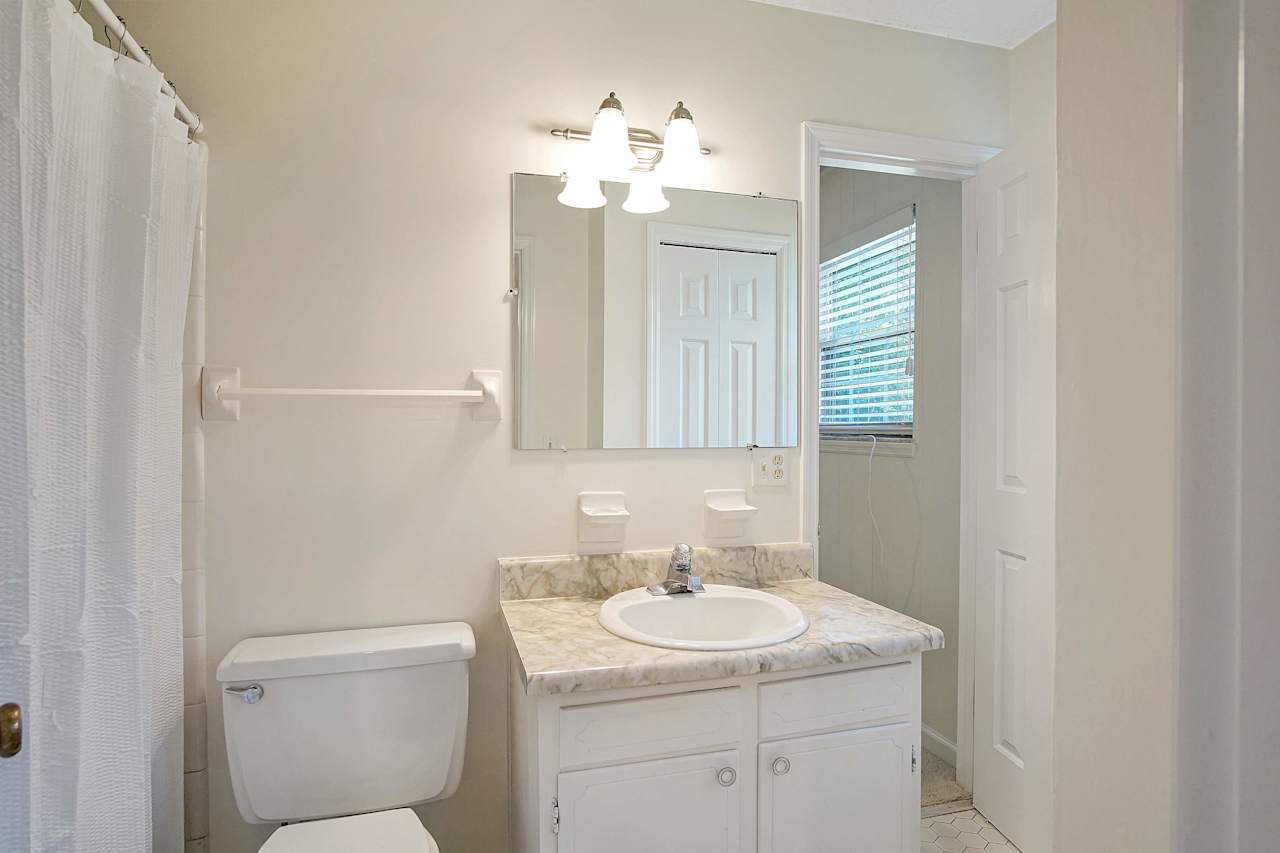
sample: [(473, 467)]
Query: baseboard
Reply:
[(946, 808), (938, 745)]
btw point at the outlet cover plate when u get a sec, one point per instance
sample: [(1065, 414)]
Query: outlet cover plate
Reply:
[(770, 466)]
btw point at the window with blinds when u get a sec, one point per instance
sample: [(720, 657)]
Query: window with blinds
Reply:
[(866, 335)]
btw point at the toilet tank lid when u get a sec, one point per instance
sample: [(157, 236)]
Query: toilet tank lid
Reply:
[(333, 652)]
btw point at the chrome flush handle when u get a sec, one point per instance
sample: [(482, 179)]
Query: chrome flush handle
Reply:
[(251, 694)]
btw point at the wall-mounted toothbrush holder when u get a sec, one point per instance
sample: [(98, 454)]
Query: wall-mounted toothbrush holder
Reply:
[(728, 513), (602, 520)]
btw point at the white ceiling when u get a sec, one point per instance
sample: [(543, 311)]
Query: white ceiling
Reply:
[(1003, 23)]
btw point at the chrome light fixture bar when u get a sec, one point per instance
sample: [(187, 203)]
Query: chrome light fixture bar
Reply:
[(641, 141), (646, 144), (644, 140)]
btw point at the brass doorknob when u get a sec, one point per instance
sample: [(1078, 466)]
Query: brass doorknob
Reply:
[(10, 730)]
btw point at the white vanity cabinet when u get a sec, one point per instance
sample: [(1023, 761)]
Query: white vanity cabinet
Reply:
[(804, 761), (689, 803), (817, 793)]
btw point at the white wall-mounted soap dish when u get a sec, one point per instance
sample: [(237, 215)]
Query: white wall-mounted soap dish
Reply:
[(602, 519), (728, 513)]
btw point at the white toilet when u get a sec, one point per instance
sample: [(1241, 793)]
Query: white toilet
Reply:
[(342, 730)]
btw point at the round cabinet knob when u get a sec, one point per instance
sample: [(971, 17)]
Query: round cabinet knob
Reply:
[(781, 766), (727, 776)]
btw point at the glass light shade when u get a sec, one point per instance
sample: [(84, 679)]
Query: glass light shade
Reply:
[(681, 150), (582, 191), (645, 196), (610, 146)]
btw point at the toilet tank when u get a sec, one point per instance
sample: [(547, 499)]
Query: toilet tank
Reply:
[(342, 722)]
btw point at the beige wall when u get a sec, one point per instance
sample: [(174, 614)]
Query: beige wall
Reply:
[(359, 209), (1117, 251), (1033, 80), (916, 499)]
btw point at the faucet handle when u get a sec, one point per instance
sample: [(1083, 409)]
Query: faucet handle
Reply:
[(680, 576), (682, 557)]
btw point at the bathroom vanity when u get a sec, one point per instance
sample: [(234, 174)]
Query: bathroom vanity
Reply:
[(619, 746)]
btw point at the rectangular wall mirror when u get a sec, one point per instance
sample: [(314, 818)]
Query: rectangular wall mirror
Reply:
[(671, 329)]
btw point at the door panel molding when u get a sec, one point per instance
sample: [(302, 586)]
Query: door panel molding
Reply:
[(1008, 489)]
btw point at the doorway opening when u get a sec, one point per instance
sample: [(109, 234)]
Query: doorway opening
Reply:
[(929, 375), (889, 351)]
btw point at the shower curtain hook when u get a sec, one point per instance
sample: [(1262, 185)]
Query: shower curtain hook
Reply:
[(124, 31), (78, 5)]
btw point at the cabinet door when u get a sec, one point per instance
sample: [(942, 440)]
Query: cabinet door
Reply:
[(682, 805), (851, 792)]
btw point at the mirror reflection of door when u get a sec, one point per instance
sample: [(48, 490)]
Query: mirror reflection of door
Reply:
[(672, 329), (714, 362)]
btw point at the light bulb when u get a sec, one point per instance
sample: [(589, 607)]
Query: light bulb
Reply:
[(645, 196), (681, 149), (581, 191), (610, 146)]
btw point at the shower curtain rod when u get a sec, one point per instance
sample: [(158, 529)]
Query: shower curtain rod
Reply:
[(118, 29)]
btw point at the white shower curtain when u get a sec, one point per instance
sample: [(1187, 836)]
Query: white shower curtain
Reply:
[(98, 195)]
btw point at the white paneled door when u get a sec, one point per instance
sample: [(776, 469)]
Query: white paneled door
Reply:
[(1013, 493), (714, 349)]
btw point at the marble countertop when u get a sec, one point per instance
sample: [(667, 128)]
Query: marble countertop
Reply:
[(561, 647)]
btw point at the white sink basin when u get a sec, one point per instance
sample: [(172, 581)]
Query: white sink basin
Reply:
[(721, 619)]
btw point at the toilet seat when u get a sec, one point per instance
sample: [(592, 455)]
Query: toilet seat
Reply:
[(395, 831)]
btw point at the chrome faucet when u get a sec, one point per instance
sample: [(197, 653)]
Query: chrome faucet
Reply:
[(680, 576)]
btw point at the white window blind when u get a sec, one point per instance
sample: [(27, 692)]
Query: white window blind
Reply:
[(866, 331)]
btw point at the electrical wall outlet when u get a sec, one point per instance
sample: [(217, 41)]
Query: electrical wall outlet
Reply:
[(769, 466)]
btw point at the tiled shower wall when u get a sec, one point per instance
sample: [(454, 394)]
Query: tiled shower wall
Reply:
[(195, 739)]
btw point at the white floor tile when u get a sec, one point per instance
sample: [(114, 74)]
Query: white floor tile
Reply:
[(963, 832)]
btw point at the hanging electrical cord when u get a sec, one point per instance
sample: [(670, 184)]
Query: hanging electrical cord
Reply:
[(915, 551), (875, 525), (878, 557)]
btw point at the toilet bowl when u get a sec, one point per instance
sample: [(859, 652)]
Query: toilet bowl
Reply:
[(394, 831), (334, 734)]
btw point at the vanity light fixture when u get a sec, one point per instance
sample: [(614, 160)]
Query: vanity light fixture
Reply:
[(681, 150), (618, 152), (610, 149), (582, 191), (645, 195)]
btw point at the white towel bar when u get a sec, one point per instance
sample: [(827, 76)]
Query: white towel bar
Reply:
[(244, 393), (221, 393)]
